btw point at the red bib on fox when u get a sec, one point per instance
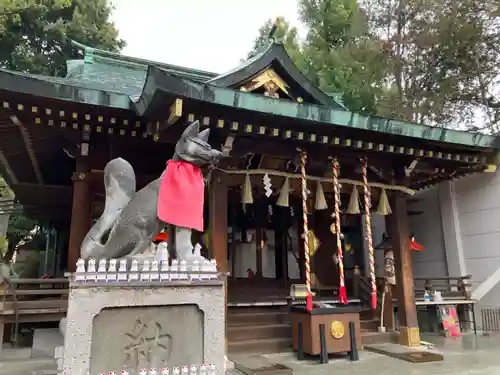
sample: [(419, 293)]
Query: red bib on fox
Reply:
[(181, 195)]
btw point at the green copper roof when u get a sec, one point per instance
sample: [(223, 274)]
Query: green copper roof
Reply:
[(92, 55), (69, 89), (111, 80), (160, 81), (274, 56)]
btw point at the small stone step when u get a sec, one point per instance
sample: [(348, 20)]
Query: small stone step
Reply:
[(233, 371)]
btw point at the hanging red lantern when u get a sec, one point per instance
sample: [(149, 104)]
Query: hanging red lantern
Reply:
[(414, 245)]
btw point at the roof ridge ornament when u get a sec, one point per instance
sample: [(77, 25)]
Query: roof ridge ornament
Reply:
[(272, 32), (88, 51)]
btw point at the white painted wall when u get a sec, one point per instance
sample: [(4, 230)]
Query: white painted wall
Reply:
[(428, 232), (462, 217), (478, 206), (427, 229)]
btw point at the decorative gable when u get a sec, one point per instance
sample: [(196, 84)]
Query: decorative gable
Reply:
[(269, 83), (273, 73)]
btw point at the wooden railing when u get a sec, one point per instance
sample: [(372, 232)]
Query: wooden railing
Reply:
[(32, 301), (457, 288), (365, 290)]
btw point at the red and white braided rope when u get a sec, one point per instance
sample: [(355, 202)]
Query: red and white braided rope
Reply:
[(336, 190), (368, 223), (303, 157)]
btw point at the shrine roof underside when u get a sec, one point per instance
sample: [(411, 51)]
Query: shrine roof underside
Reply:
[(143, 106)]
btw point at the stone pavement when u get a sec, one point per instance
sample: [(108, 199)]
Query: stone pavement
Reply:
[(468, 355), (18, 362)]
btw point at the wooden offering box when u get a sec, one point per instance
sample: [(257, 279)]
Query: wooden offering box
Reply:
[(334, 322)]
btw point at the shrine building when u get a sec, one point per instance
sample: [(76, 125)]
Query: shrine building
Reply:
[(58, 133)]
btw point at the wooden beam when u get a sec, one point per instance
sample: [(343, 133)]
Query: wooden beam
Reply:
[(6, 166), (175, 112), (228, 146), (27, 185), (29, 147)]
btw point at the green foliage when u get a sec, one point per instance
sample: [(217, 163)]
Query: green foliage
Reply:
[(335, 53), (5, 190), (35, 34), (19, 227), (434, 62), (443, 59), (285, 34), (3, 245), (342, 53)]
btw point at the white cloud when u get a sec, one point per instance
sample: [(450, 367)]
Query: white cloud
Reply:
[(211, 35)]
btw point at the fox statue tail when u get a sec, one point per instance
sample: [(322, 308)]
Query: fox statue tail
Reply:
[(120, 187)]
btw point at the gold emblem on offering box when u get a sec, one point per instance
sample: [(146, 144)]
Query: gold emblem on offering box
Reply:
[(337, 329)]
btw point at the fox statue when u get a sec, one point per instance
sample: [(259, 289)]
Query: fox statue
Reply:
[(132, 219)]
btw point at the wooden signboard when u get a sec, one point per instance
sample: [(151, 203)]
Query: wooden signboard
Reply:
[(449, 319)]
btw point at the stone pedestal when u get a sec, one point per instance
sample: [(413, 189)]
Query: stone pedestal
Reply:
[(115, 326)]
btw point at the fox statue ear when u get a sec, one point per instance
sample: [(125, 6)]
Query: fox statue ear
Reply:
[(192, 130), (203, 136)]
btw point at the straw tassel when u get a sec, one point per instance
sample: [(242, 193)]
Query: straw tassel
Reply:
[(320, 198), (336, 190), (383, 208), (247, 196), (303, 157), (368, 222), (353, 207), (283, 199)]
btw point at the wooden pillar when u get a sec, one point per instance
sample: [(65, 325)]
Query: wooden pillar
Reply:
[(80, 213), (400, 232), (389, 323), (218, 219), (218, 224)]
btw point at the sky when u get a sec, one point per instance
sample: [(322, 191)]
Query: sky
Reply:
[(210, 35)]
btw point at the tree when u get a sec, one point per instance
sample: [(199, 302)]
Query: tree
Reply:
[(21, 229), (35, 34), (435, 62), (443, 59), (339, 55), (342, 53), (284, 33)]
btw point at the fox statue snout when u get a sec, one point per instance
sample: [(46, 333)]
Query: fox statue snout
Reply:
[(194, 148), (216, 157)]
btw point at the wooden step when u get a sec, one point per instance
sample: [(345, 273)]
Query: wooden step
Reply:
[(373, 337), (369, 325), (256, 318), (268, 331), (256, 309), (368, 314), (260, 346)]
